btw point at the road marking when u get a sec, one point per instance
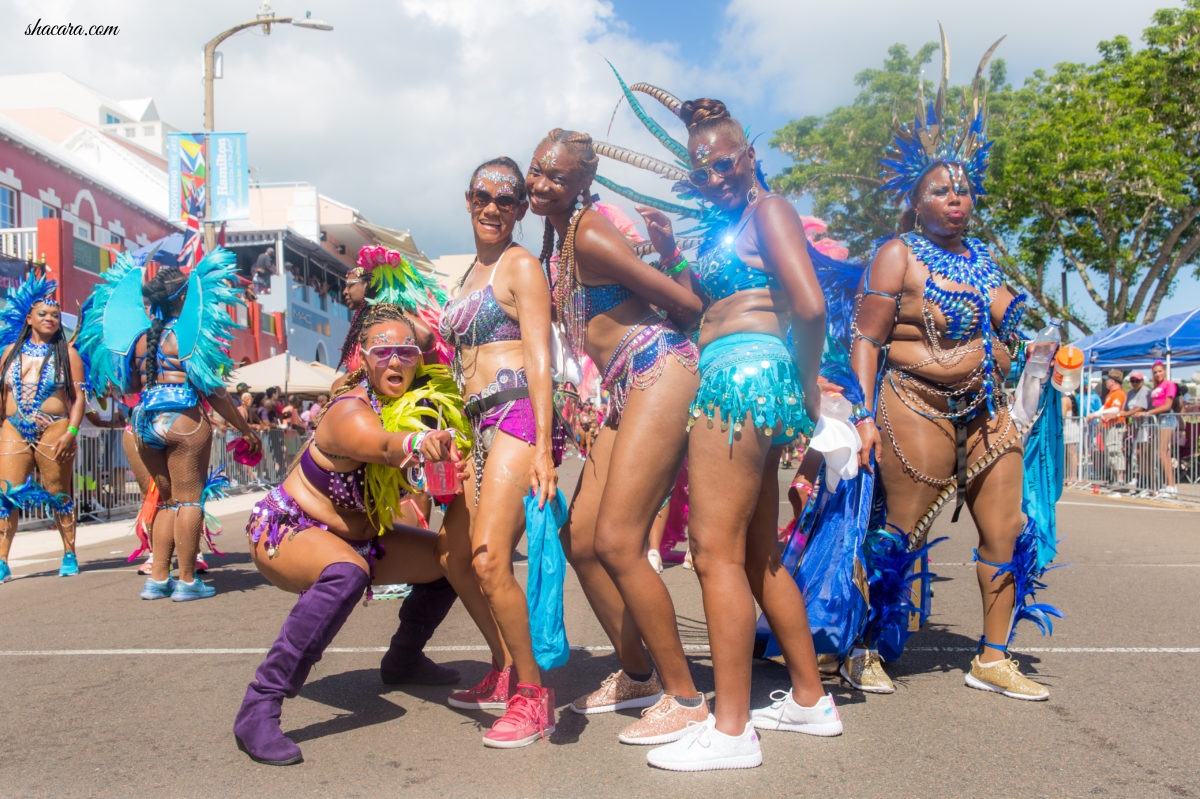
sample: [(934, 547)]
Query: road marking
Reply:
[(692, 648), (1073, 565), (1107, 506)]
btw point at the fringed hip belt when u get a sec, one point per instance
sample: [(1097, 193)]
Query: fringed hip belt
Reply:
[(278, 516), (639, 359)]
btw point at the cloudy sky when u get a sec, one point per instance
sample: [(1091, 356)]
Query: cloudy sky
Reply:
[(391, 110)]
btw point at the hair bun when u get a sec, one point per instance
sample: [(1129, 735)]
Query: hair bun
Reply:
[(701, 111)]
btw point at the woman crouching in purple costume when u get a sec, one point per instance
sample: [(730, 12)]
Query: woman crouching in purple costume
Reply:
[(499, 327), (316, 534)]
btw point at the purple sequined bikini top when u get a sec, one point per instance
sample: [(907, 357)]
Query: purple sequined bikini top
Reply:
[(344, 489), (477, 318)]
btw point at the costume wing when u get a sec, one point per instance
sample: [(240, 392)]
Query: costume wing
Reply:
[(114, 320), (205, 328)]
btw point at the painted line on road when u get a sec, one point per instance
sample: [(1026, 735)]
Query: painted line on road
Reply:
[(692, 648), (1125, 506)]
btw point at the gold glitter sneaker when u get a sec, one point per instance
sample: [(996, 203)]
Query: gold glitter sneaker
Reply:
[(663, 722), (1005, 677), (864, 670), (618, 692), (828, 665)]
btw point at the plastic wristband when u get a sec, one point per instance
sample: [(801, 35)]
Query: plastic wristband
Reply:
[(73, 430), (679, 267), (666, 264)]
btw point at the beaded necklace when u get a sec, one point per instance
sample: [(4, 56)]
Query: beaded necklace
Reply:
[(372, 397), (967, 313), (571, 311), (30, 396)]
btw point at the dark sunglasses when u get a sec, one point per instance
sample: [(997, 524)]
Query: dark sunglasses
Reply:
[(700, 177), (505, 203), (382, 354), (1135, 380)]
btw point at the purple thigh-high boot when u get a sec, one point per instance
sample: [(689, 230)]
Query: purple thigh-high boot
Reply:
[(316, 618), (420, 614)]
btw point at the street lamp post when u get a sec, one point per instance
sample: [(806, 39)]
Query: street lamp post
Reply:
[(266, 18)]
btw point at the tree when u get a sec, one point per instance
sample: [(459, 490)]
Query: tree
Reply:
[(1095, 168)]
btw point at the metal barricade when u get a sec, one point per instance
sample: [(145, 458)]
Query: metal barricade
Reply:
[(1145, 455), (105, 486)]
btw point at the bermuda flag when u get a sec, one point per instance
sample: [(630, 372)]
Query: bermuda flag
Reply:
[(193, 243)]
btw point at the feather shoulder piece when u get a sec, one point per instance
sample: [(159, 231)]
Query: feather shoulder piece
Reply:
[(115, 319), (204, 329)]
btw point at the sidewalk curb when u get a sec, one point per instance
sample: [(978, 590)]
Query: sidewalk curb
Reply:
[(42, 545)]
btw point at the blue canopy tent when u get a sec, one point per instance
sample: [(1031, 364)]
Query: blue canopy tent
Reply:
[(1174, 340), (165, 251), (1089, 343)]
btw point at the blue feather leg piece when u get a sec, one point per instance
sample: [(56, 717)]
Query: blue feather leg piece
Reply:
[(891, 572), (1027, 582)]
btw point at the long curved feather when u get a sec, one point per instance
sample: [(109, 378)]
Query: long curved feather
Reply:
[(669, 101), (657, 130), (640, 160), (646, 199)]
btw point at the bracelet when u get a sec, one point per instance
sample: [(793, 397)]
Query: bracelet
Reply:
[(679, 267), (73, 430), (859, 413)]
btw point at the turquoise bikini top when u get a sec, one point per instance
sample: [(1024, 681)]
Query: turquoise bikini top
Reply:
[(718, 272)]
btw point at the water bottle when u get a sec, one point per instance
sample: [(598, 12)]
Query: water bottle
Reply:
[(1041, 350)]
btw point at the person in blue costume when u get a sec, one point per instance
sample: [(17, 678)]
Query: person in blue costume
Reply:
[(43, 399), (603, 295), (174, 439), (756, 395), (933, 331)]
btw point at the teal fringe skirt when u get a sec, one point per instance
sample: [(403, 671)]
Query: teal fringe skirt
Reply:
[(751, 374)]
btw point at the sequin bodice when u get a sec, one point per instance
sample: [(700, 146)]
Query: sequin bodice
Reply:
[(718, 272), (476, 319), (600, 299)]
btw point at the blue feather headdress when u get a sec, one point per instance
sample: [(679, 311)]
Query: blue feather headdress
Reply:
[(935, 139), (33, 289)]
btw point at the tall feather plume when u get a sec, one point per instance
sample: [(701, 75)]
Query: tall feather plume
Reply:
[(657, 130), (669, 101), (646, 199), (639, 160)]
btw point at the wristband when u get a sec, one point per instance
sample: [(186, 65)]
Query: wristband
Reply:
[(679, 267), (73, 430), (859, 413)]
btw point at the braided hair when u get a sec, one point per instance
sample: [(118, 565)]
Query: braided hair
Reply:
[(164, 294), (580, 145), (373, 315), (62, 362), (705, 114)]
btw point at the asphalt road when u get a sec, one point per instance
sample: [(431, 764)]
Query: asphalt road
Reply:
[(106, 695)]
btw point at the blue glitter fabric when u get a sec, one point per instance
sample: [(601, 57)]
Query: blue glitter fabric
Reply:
[(718, 272), (29, 420), (159, 408), (751, 374), (596, 300)]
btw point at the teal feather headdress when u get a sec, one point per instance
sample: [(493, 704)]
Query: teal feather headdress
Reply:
[(33, 289)]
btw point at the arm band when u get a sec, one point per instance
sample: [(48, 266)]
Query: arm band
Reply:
[(73, 430)]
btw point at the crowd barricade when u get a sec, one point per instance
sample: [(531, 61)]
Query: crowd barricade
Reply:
[(105, 487), (1134, 456)]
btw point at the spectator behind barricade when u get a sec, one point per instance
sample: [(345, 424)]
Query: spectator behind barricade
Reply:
[(1163, 404), (1114, 425), (313, 412), (101, 415), (1137, 401), (264, 267)]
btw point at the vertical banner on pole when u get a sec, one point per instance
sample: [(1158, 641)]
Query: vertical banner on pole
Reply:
[(230, 184)]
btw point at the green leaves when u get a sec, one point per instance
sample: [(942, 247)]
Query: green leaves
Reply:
[(1095, 167)]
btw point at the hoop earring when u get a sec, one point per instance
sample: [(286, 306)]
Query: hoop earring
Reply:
[(752, 195)]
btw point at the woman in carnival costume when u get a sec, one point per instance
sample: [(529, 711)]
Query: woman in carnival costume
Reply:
[(499, 327), (327, 532), (382, 275), (755, 396), (603, 296), (933, 331), (43, 399), (175, 358)]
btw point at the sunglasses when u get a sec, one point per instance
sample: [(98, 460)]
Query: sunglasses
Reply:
[(505, 203), (382, 354), (1135, 380), (700, 177)]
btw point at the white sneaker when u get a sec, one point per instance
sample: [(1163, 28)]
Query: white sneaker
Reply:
[(1172, 490), (785, 713), (704, 748), (655, 560)]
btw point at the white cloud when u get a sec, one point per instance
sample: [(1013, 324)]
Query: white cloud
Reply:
[(391, 110)]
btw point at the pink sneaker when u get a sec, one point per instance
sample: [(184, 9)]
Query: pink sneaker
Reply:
[(530, 716), (491, 694)]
